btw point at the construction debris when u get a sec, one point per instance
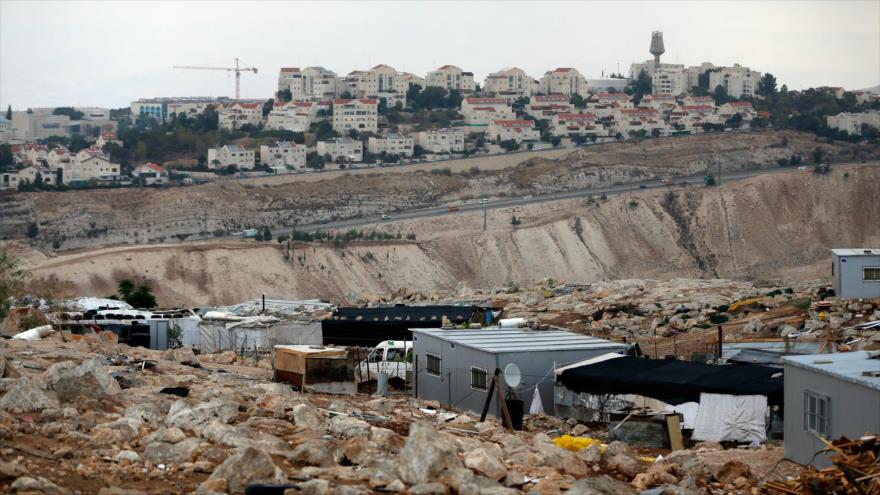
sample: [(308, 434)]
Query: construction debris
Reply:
[(855, 471)]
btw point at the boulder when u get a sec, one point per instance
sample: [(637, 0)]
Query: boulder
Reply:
[(147, 412), (128, 456), (731, 470), (433, 488), (194, 418), (314, 453), (625, 465), (182, 355), (248, 465), (590, 454), (348, 427), (426, 454), (312, 487), (27, 396), (117, 432), (753, 326), (180, 452), (306, 416), (601, 485), (86, 380), (37, 484), (386, 439), (485, 463), (616, 447)]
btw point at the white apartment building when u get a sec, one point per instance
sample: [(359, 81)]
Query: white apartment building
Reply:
[(283, 156), (852, 122), (151, 173), (37, 124), (451, 77), (516, 130), (361, 115), (107, 138), (692, 117), (231, 154), (296, 116), (698, 100), (164, 108), (90, 164), (11, 180), (694, 72), (5, 130), (308, 84), (441, 141), (728, 110), (603, 105), (32, 153), (606, 84), (628, 121), (577, 124), (544, 107), (413, 80), (667, 80), (342, 150), (392, 144), (737, 80), (664, 102), (57, 157), (563, 81), (234, 116), (482, 111), (382, 81), (510, 83)]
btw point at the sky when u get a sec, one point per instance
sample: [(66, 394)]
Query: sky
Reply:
[(78, 53)]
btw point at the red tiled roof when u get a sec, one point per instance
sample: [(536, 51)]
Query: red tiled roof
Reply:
[(638, 111), (697, 107), (365, 101), (156, 167), (576, 116), (552, 98), (515, 123), (477, 101), (563, 69), (290, 69), (108, 135), (487, 109), (740, 104)]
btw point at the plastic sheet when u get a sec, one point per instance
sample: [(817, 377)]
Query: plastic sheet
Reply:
[(576, 444)]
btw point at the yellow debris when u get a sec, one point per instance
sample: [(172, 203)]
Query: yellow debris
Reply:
[(576, 444), (648, 459), (740, 304)]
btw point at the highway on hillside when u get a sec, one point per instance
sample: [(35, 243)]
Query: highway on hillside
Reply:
[(495, 203)]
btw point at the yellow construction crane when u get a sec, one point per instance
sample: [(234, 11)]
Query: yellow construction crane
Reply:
[(237, 69)]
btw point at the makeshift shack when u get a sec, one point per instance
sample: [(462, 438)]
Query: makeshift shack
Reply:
[(717, 402), (368, 326), (455, 366), (220, 332), (314, 368)]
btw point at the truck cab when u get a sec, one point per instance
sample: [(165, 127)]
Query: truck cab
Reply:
[(393, 357)]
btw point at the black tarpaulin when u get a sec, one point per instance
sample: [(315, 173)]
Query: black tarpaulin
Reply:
[(369, 326), (673, 382)]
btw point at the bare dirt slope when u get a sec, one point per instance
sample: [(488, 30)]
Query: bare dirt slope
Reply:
[(779, 226), (89, 218)]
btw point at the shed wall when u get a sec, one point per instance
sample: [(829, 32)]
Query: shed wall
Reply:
[(855, 410), (848, 277)]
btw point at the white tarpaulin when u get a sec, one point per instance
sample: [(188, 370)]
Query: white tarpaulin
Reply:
[(256, 332), (736, 418), (688, 411)]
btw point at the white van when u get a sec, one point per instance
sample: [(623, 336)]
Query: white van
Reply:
[(393, 357)]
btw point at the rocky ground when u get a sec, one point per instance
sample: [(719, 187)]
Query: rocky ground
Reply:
[(93, 416)]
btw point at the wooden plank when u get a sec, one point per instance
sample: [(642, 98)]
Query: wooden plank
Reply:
[(673, 426), (504, 412), (489, 396)]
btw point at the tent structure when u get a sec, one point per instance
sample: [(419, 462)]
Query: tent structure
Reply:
[(219, 333), (369, 326), (673, 382)]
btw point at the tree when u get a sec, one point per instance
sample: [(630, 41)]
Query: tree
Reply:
[(767, 85), (383, 106), (509, 145), (142, 297), (818, 154), (125, 288), (413, 92), (720, 95), (284, 95), (655, 132), (641, 86), (267, 234), (12, 280), (520, 103), (578, 101), (346, 95), (6, 157), (71, 112), (267, 106), (32, 230), (9, 113)]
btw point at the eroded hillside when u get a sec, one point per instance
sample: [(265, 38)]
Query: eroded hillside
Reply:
[(778, 226), (140, 216)]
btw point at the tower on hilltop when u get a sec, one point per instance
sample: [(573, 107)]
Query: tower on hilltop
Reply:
[(657, 46)]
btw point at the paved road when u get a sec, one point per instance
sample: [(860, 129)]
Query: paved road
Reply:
[(473, 205)]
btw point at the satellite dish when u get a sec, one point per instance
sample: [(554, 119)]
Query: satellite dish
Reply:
[(512, 375)]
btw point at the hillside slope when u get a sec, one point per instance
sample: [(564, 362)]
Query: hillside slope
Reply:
[(779, 226)]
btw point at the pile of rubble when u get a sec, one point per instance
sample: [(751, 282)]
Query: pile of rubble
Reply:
[(93, 416), (855, 471)]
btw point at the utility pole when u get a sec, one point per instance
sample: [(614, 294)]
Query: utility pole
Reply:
[(485, 217)]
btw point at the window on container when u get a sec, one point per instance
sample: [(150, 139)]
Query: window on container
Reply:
[(817, 411), (871, 274), (432, 366), (479, 378)]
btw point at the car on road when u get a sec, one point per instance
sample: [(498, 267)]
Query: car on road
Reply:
[(483, 201), (802, 167), (642, 186), (528, 197), (386, 217)]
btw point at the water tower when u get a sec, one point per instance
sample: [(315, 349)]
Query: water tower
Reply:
[(657, 46)]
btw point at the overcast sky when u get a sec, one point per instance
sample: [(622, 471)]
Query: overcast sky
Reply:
[(110, 53)]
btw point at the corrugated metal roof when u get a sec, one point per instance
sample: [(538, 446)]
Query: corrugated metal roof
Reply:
[(847, 366), (856, 252), (500, 340)]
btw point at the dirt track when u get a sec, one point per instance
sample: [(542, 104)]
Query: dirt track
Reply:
[(779, 226)]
